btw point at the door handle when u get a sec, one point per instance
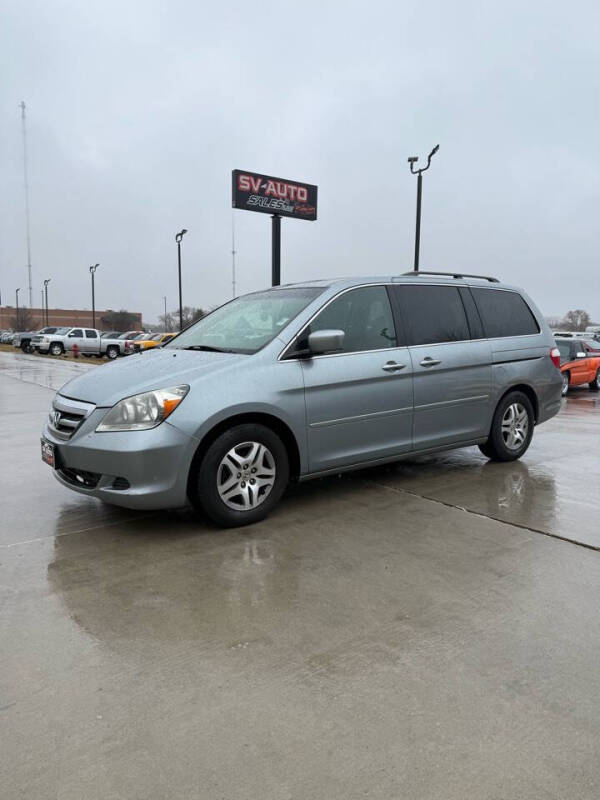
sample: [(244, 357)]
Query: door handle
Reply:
[(393, 366), (430, 362)]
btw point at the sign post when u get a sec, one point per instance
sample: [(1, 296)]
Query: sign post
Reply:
[(253, 191)]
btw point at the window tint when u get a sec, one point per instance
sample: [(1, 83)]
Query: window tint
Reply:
[(504, 313), (91, 334), (365, 316), (432, 314)]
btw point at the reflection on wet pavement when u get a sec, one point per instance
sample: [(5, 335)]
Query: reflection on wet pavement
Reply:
[(371, 638), (41, 371)]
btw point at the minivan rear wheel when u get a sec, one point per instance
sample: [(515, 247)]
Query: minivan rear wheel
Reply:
[(242, 476), (512, 428)]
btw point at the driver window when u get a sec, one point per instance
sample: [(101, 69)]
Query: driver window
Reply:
[(365, 316)]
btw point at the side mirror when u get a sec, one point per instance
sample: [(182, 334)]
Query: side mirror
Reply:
[(325, 342)]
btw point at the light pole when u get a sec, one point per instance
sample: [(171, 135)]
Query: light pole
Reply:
[(165, 317), (17, 305), (419, 173), (46, 282), (178, 238), (93, 272)]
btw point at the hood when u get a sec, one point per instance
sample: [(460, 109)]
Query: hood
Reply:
[(157, 369)]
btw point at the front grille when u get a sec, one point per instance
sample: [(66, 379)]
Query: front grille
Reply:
[(67, 415), (64, 424), (80, 477)]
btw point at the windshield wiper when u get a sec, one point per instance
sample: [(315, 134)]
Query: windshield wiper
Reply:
[(208, 348)]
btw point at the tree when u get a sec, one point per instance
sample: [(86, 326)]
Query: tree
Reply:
[(170, 320), (576, 320), (23, 320), (120, 320)]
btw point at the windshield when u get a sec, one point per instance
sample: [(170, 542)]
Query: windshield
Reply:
[(61, 331), (248, 323)]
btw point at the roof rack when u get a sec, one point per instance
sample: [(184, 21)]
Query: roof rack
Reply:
[(450, 275)]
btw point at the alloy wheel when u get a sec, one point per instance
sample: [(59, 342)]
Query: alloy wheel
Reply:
[(246, 475), (515, 426)]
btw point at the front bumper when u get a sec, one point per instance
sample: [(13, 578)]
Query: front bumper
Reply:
[(133, 469)]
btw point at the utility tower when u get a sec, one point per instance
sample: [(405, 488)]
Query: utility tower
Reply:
[(22, 107)]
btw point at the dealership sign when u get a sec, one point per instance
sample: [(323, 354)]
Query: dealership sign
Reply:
[(255, 192)]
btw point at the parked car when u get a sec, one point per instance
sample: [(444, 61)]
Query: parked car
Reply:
[(63, 340), (578, 365), (128, 338), (24, 339), (7, 337), (115, 345), (154, 340), (305, 380)]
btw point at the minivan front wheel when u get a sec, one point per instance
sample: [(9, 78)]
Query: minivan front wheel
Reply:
[(512, 428), (242, 476)]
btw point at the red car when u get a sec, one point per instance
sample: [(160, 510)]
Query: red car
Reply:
[(579, 364)]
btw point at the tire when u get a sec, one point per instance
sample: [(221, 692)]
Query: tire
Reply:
[(56, 349), (25, 347), (512, 428), (566, 377), (112, 351), (595, 384), (226, 469)]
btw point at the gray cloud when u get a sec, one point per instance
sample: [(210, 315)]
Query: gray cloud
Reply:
[(139, 111)]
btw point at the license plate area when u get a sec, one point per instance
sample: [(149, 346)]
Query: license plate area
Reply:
[(48, 453)]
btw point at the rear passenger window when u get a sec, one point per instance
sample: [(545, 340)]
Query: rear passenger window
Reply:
[(504, 313), (91, 334), (365, 316), (432, 314)]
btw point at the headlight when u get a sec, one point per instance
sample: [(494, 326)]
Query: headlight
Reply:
[(143, 411)]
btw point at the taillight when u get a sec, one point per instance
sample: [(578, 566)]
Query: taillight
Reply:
[(555, 357)]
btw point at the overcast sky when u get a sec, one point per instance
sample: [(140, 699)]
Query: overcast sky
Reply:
[(138, 112)]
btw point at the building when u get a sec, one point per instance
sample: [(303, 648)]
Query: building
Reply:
[(66, 317)]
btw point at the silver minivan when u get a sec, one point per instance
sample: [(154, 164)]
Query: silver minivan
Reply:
[(303, 380)]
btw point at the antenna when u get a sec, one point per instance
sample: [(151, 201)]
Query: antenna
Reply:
[(22, 107), (233, 252)]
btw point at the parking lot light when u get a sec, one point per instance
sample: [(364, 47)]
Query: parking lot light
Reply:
[(419, 172), (46, 282), (178, 237), (93, 272)]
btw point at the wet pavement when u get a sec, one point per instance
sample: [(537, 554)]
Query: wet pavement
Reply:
[(425, 630)]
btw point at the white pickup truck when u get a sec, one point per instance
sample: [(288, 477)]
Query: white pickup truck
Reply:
[(89, 341)]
